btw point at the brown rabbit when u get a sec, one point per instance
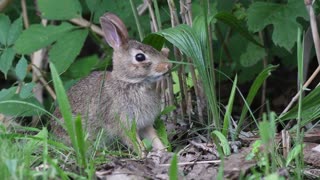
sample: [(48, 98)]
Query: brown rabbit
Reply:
[(113, 100)]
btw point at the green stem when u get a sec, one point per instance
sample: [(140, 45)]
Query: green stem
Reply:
[(136, 18), (156, 9)]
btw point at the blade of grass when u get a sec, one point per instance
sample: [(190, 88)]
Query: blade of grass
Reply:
[(136, 18), (263, 75), (223, 142), (226, 119), (81, 141), (173, 169), (65, 108), (299, 157)]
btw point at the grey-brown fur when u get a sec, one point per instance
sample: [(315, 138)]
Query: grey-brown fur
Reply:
[(114, 99)]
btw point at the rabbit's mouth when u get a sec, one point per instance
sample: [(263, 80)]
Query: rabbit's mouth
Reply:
[(154, 78)]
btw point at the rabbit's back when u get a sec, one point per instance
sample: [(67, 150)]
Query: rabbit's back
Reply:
[(105, 102)]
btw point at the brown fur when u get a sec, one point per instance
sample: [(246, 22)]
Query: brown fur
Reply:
[(124, 95)]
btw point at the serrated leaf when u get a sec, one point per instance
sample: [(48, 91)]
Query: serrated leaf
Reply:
[(4, 30), (38, 36), (281, 16), (252, 55), (26, 90), (67, 48), (14, 31), (59, 9), (21, 68), (6, 60)]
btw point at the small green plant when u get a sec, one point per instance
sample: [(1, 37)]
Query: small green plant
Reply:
[(173, 169)]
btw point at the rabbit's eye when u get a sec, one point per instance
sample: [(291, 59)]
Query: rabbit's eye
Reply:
[(140, 57)]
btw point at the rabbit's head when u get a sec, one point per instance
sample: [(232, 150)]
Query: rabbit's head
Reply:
[(133, 61)]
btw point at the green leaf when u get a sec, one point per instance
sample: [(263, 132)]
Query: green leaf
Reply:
[(38, 36), (173, 169), (26, 90), (6, 60), (227, 116), (223, 142), (12, 104), (168, 109), (81, 140), (310, 108), (154, 40), (263, 75), (265, 134), (252, 55), (162, 133), (4, 30), (21, 68), (82, 67), (93, 5), (281, 16), (59, 9), (186, 40), (64, 106), (7, 93), (235, 24), (67, 48), (147, 144), (294, 153), (14, 31), (15, 106)]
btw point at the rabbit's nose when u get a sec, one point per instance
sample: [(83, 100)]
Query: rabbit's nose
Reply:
[(163, 67), (168, 66)]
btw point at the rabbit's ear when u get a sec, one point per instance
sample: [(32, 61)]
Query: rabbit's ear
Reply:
[(115, 32)]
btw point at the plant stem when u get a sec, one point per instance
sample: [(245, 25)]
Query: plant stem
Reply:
[(136, 18)]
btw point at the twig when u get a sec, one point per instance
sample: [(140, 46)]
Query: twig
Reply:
[(135, 14), (314, 28), (306, 84), (153, 18), (84, 23), (39, 76), (25, 14), (192, 163), (285, 142)]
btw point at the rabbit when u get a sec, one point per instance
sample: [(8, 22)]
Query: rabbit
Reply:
[(113, 100)]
